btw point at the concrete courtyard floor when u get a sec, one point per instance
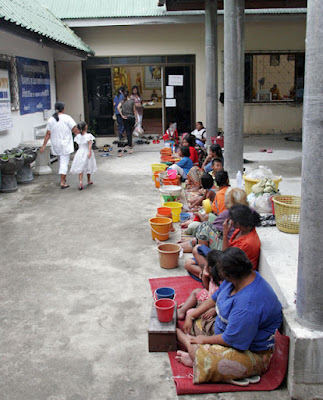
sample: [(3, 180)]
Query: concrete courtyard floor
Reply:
[(74, 293)]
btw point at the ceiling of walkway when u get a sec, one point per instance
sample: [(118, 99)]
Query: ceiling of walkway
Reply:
[(177, 5)]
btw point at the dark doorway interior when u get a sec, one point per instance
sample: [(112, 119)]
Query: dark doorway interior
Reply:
[(100, 102), (182, 113)]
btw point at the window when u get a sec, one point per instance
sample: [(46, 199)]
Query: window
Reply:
[(9, 63), (274, 77)]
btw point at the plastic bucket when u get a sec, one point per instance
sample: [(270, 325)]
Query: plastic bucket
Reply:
[(184, 216), (157, 178), (165, 309), (168, 255), (158, 167), (176, 209), (167, 151), (171, 173), (207, 206), (249, 182), (164, 293), (160, 228), (175, 182), (170, 199)]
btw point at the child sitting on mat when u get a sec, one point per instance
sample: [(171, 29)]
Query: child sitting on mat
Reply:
[(185, 164), (197, 296)]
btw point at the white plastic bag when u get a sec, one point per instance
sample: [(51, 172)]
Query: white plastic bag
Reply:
[(261, 202), (138, 131)]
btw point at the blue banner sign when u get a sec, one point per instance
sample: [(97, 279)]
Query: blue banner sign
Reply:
[(34, 85)]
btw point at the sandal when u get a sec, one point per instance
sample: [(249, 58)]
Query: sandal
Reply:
[(269, 151), (254, 379), (239, 382), (81, 186), (90, 183), (65, 186), (120, 153)]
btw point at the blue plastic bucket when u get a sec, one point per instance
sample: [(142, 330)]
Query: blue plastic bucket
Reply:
[(184, 216), (164, 293)]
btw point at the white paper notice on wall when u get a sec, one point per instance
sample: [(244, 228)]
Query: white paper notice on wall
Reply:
[(170, 103), (175, 80), (169, 92)]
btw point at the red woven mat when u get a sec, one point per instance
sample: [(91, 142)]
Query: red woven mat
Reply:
[(182, 375), (183, 286)]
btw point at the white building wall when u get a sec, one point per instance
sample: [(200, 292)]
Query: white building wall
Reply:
[(69, 85), (23, 125), (189, 39)]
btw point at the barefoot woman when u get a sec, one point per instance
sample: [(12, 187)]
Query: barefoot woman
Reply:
[(248, 314)]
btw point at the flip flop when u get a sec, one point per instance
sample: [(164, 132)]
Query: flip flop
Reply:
[(254, 379), (269, 151), (81, 186), (90, 183), (120, 153), (239, 382), (65, 186)]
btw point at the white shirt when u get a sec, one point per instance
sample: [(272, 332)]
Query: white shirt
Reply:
[(199, 134), (61, 134)]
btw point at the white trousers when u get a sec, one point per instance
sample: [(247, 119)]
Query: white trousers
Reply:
[(179, 170), (64, 159)]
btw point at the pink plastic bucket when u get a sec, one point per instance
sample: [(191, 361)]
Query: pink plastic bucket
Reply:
[(165, 309), (172, 173)]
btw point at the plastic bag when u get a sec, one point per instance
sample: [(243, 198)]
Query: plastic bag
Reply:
[(138, 131), (260, 173), (261, 202)]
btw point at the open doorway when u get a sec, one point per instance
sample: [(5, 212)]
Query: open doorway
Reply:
[(148, 79)]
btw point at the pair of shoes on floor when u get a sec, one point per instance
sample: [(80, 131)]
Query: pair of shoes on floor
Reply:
[(265, 150), (245, 381)]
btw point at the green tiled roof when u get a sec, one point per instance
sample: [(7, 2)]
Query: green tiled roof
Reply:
[(71, 9), (33, 16)]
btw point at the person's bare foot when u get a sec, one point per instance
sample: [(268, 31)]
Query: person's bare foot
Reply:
[(183, 338), (180, 314), (184, 358)]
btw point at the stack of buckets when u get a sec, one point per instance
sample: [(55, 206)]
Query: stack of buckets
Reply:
[(165, 303)]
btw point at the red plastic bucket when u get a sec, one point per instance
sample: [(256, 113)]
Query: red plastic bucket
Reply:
[(165, 309)]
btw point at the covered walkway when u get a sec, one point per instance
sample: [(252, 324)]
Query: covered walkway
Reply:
[(75, 297)]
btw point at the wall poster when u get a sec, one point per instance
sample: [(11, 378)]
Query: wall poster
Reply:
[(5, 108), (152, 77), (34, 85)]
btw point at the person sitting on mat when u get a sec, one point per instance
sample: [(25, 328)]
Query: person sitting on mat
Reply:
[(245, 237), (222, 180), (197, 296), (210, 233), (207, 192), (185, 164), (240, 346)]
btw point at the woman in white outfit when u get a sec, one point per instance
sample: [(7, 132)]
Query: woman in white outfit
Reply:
[(59, 130)]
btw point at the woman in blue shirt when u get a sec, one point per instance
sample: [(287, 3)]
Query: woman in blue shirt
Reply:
[(248, 314)]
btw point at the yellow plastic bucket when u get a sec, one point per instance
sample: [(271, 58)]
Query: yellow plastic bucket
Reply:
[(176, 209), (207, 206), (160, 228), (158, 167), (248, 183)]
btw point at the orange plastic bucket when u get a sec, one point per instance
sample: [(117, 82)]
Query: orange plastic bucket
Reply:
[(156, 178), (160, 228), (165, 309), (164, 212), (166, 151), (175, 182), (168, 255)]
